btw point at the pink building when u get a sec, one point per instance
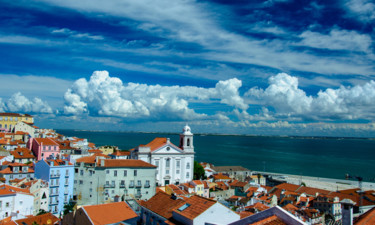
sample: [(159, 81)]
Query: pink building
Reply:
[(43, 148)]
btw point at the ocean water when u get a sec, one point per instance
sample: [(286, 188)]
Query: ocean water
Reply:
[(322, 157)]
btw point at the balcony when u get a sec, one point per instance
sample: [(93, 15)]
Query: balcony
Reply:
[(54, 202), (109, 186), (131, 185), (55, 175), (66, 175), (54, 185), (138, 196), (122, 186), (147, 185), (138, 185), (66, 184)]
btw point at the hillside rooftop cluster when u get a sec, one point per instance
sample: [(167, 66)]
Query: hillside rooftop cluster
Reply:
[(48, 178)]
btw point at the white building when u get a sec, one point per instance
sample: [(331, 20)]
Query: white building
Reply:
[(174, 164), (15, 202)]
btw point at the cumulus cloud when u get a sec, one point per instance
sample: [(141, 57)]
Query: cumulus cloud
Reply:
[(286, 99), (19, 103), (109, 96)]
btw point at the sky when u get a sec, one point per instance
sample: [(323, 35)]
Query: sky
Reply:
[(275, 67)]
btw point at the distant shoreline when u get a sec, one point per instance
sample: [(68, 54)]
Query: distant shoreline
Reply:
[(219, 134)]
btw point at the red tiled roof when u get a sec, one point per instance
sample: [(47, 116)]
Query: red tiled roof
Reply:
[(367, 218), (220, 176), (258, 206), (47, 218), (45, 141), (196, 205), (126, 163), (22, 153), (95, 151), (245, 214), (287, 187), (163, 204), (7, 189), (157, 143), (91, 159), (109, 213), (272, 220), (120, 153), (58, 162)]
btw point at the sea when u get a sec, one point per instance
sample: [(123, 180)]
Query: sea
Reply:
[(306, 156)]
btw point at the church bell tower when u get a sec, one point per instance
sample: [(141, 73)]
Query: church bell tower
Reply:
[(186, 139)]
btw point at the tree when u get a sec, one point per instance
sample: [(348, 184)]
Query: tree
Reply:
[(41, 212), (199, 172), (68, 208)]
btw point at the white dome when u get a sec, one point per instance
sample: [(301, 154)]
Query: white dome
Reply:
[(186, 130)]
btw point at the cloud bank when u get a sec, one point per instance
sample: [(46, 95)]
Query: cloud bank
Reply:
[(19, 103)]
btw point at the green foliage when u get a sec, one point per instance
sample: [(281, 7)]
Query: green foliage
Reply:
[(68, 208), (35, 223), (198, 171), (41, 212)]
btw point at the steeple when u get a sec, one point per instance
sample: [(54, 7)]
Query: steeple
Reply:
[(186, 139)]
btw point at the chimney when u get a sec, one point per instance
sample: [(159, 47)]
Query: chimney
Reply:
[(347, 211)]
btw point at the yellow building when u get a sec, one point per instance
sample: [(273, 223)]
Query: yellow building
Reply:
[(9, 120), (108, 149)]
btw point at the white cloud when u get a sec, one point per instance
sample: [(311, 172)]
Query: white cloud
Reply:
[(108, 96), (337, 40), (364, 10), (193, 22), (75, 34), (344, 103), (19, 103)]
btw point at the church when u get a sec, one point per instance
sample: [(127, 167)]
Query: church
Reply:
[(174, 164)]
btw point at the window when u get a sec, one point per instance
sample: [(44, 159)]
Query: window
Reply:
[(147, 183), (90, 189), (81, 173), (157, 163), (178, 163), (7, 204), (167, 162), (167, 172), (115, 173), (107, 171), (139, 183), (125, 173), (81, 182), (187, 165), (177, 171), (131, 183), (187, 175), (135, 173), (107, 183), (75, 181), (113, 183)]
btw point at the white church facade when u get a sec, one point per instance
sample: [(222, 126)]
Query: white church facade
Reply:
[(174, 164)]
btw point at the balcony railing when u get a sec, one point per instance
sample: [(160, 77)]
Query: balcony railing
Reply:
[(147, 186), (109, 186), (138, 196), (131, 185), (54, 202), (55, 175), (138, 185), (54, 185), (122, 185)]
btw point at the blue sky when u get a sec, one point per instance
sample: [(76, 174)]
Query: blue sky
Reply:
[(274, 67)]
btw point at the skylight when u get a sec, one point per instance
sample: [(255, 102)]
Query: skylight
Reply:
[(183, 207)]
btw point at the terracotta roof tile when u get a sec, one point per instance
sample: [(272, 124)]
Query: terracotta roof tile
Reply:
[(120, 153), (367, 218), (163, 204), (196, 205), (272, 220), (109, 213), (157, 143), (22, 153), (45, 141), (126, 163), (47, 218)]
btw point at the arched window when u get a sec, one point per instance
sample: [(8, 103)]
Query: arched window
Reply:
[(188, 142), (168, 162)]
